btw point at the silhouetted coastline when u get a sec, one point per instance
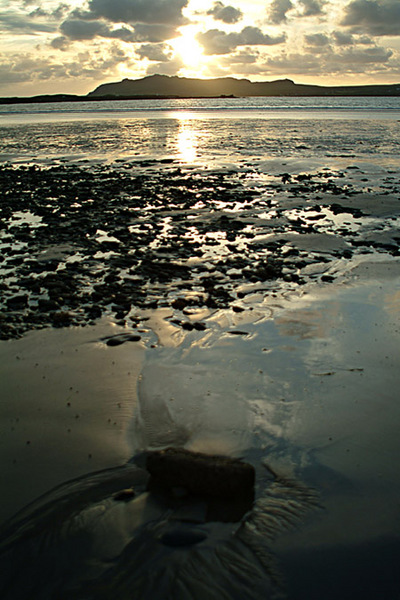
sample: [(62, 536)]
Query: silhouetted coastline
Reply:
[(156, 87)]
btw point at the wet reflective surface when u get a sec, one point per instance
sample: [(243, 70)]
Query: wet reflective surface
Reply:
[(304, 387), (236, 286)]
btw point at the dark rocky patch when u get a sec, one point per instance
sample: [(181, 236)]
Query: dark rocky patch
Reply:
[(201, 474), (118, 340), (107, 240)]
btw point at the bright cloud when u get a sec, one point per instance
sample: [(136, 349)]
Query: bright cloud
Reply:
[(216, 41), (74, 45)]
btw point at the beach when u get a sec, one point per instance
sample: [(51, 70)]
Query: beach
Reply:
[(221, 284)]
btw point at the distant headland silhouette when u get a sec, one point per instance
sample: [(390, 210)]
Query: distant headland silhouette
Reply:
[(166, 86)]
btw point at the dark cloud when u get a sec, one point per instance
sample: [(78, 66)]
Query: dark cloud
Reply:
[(58, 12), (59, 43), (342, 38), (373, 17), (17, 24), (154, 52), (121, 33), (81, 29), (278, 9), (227, 14), (154, 33), (317, 39), (364, 56), (138, 11), (151, 21), (216, 41), (312, 8), (77, 29)]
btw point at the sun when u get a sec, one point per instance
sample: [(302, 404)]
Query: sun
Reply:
[(188, 48)]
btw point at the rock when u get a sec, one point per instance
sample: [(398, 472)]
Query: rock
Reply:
[(179, 303), (117, 340), (201, 474), (45, 304), (124, 495), (16, 302), (61, 318)]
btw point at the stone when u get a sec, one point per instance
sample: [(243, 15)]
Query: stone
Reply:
[(124, 495), (16, 302), (210, 476)]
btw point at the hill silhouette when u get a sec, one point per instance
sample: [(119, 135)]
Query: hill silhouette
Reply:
[(182, 87), (165, 86)]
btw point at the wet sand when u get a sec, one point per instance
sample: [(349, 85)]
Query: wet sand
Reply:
[(231, 310), (287, 384)]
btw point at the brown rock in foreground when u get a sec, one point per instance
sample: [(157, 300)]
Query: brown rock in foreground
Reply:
[(201, 474)]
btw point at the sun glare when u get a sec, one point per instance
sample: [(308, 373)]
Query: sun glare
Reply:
[(186, 140), (188, 49)]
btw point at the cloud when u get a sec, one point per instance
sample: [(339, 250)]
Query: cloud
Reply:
[(154, 33), (121, 33), (155, 52), (342, 38), (242, 61), (242, 57), (151, 21), (227, 14), (139, 11), (278, 9), (77, 29), (312, 8), (81, 29), (373, 17), (317, 40), (216, 41), (364, 56), (330, 61), (18, 24), (60, 43), (22, 68), (170, 67), (56, 13)]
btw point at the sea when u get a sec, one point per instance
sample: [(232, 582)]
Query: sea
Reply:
[(199, 131)]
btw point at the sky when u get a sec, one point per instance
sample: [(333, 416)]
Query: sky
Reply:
[(70, 46)]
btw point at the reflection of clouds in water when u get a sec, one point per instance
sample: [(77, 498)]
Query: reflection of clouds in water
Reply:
[(197, 406), (309, 322), (392, 303)]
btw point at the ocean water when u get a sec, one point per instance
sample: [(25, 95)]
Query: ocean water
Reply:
[(265, 105), (199, 132)]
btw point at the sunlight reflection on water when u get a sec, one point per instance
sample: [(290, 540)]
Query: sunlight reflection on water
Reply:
[(186, 140)]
